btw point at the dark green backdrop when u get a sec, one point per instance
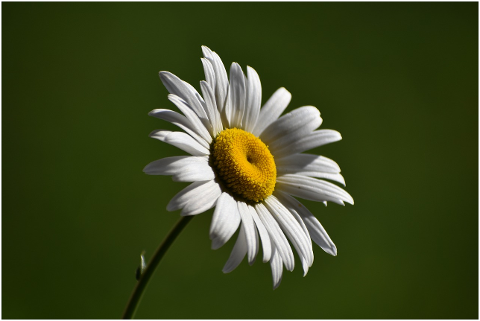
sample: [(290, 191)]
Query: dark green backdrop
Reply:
[(398, 80)]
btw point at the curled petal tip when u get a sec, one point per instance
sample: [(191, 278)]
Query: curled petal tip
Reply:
[(332, 252), (216, 244), (152, 112)]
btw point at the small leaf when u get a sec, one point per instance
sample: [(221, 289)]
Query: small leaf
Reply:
[(142, 266)]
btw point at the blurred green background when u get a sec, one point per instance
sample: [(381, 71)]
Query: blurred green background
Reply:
[(398, 80)]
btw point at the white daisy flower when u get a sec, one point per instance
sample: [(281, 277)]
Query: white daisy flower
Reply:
[(248, 163)]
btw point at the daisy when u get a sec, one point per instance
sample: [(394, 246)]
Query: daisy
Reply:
[(248, 163)]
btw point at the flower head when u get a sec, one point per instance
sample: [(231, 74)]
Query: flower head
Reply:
[(248, 163)]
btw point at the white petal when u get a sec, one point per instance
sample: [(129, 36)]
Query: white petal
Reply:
[(293, 230), (203, 201), (236, 95), (250, 232), (199, 102), (277, 268), (225, 114), (272, 109), (333, 177), (266, 244), (315, 139), (254, 100), (221, 79), (185, 91), (211, 108), (180, 121), (180, 140), (312, 189), (277, 236), (160, 134), (302, 224), (192, 117), (183, 168), (316, 168), (316, 230), (209, 72), (192, 191), (307, 163), (202, 116), (290, 127), (305, 261), (281, 197), (238, 252), (225, 221)]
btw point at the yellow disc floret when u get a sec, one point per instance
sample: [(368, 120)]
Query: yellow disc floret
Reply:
[(244, 164)]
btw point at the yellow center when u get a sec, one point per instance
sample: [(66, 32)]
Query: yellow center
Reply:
[(244, 164)]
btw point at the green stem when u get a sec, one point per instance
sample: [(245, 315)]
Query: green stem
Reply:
[(147, 274)]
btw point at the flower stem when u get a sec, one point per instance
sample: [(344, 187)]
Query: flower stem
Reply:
[(157, 257)]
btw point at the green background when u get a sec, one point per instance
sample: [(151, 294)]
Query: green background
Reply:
[(398, 80)]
